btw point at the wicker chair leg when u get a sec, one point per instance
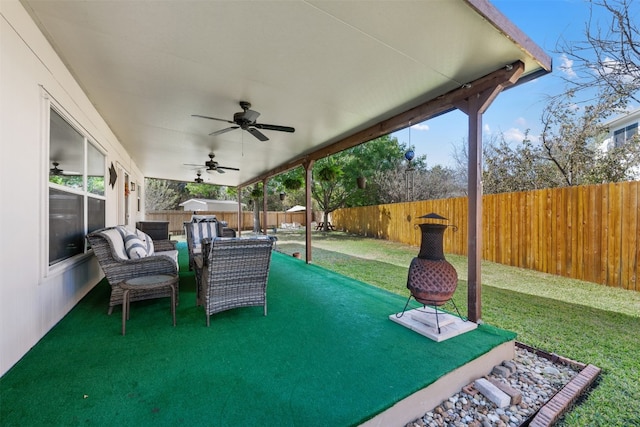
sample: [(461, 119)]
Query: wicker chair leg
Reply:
[(208, 315)]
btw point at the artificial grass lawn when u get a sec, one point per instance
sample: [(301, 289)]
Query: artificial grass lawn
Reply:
[(326, 354), (583, 321)]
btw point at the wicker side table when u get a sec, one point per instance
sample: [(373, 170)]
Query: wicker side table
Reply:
[(147, 283)]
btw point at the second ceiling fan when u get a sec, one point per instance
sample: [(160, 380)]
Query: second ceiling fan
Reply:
[(212, 166), (246, 120)]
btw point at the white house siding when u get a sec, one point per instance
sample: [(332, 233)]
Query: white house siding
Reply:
[(622, 122), (32, 297)]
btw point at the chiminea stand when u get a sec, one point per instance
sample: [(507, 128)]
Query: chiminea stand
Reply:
[(432, 280), (432, 304)]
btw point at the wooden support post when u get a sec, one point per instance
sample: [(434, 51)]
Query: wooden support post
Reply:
[(264, 205), (474, 106), (474, 241), (308, 174), (239, 188)]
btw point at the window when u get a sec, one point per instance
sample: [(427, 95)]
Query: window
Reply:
[(76, 189), (623, 135)]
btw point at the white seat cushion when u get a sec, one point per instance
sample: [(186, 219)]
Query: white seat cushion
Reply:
[(171, 254)]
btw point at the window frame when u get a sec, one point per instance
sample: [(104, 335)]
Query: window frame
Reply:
[(64, 264), (625, 134)]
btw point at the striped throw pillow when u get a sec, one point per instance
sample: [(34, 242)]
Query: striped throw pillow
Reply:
[(147, 240), (133, 245)]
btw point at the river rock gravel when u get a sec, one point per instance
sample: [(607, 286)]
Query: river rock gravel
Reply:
[(537, 378)]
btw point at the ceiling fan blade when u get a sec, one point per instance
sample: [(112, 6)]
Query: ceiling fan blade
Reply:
[(274, 127), (255, 132), (228, 168), (221, 131), (192, 164), (212, 118), (219, 170)]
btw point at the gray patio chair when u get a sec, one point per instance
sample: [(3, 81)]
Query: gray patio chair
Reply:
[(235, 274), (196, 230), (118, 267)]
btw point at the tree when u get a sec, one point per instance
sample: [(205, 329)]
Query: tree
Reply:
[(290, 183), (381, 162), (328, 189), (205, 191), (609, 59), (159, 195), (438, 182), (603, 77), (616, 164), (521, 167), (256, 198), (571, 134)]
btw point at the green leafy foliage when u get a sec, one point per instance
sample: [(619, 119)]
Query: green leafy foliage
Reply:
[(204, 191), (161, 195)]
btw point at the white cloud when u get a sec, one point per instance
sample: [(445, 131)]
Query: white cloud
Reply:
[(486, 129), (626, 73), (566, 65), (521, 122), (513, 135), (420, 126)]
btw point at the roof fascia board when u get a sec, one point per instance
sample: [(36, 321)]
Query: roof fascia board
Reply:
[(502, 24)]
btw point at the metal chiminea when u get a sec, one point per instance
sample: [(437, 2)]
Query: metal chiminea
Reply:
[(432, 280)]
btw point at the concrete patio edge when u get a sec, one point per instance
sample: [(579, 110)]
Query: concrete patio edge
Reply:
[(422, 401)]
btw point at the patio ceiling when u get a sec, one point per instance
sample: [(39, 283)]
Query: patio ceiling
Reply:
[(328, 69)]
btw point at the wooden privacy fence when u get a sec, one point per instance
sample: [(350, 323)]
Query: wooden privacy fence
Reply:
[(589, 233), (274, 219)]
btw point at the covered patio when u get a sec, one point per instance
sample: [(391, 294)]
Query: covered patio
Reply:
[(326, 354), (126, 79)]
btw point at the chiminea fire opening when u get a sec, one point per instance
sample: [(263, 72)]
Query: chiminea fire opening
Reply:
[(432, 280)]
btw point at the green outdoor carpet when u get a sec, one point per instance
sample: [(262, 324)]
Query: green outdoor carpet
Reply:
[(326, 355)]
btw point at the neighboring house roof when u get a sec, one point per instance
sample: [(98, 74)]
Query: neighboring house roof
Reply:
[(622, 119)]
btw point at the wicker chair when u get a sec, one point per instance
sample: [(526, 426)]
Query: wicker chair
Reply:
[(196, 230), (235, 274), (117, 269)]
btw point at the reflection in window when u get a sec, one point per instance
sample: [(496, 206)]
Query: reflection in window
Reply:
[(66, 153), (621, 136), (95, 171), (66, 231), (96, 209), (76, 180)]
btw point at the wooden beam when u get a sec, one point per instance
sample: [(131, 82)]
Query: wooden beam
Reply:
[(503, 77)]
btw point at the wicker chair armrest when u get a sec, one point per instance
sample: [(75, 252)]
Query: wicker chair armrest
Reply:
[(164, 245)]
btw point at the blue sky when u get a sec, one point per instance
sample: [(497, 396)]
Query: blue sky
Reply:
[(519, 108)]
